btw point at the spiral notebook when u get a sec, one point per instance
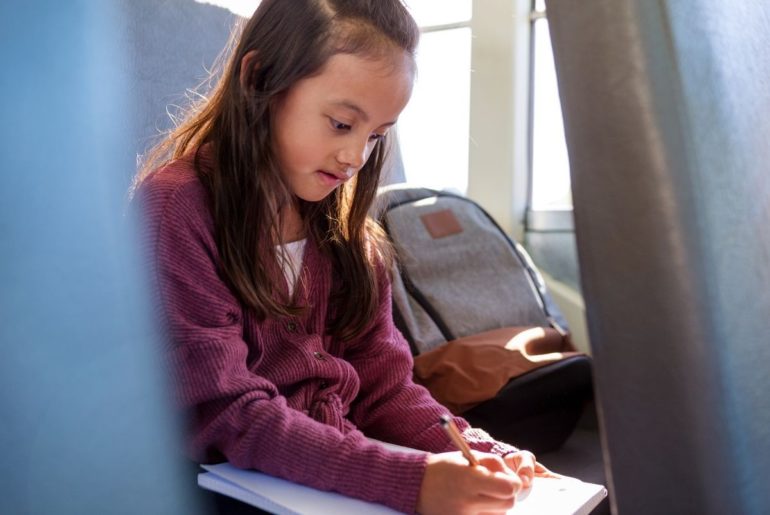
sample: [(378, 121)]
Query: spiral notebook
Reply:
[(566, 496)]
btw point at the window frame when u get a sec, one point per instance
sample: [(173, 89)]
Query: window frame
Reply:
[(550, 219), (501, 115), (498, 155)]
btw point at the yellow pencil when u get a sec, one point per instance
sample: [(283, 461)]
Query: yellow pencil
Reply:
[(449, 426)]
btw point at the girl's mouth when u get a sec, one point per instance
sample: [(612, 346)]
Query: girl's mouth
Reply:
[(329, 179)]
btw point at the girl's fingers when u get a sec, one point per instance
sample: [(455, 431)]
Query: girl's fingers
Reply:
[(498, 485), (450, 485), (492, 462), (542, 471), (523, 464), (494, 479)]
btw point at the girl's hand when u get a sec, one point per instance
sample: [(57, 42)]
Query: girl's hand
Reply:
[(450, 485), (524, 465)]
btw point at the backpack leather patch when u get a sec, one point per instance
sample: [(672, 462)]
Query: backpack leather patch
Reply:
[(441, 223)]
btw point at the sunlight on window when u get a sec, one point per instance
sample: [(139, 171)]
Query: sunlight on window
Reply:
[(433, 130), (430, 12), (551, 187)]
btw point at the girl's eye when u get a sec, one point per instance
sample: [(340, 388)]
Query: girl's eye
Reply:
[(377, 137), (339, 126)]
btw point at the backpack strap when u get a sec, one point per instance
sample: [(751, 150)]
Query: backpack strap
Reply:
[(418, 297)]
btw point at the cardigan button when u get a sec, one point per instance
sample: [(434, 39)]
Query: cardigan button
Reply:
[(323, 385), (319, 356), (291, 327)]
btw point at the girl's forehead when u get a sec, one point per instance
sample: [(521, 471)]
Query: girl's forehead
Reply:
[(380, 65), (380, 85)]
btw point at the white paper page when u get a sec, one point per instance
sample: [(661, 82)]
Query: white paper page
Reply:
[(296, 498), (567, 496), (553, 496)]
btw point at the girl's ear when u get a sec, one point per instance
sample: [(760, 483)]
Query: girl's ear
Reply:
[(248, 64)]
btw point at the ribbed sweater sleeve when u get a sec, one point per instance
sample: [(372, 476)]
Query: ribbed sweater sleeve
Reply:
[(236, 413), (391, 406)]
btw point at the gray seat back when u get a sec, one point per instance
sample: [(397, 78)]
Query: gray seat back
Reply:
[(666, 116)]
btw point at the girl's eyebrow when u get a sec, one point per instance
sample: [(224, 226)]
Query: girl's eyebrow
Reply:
[(347, 104)]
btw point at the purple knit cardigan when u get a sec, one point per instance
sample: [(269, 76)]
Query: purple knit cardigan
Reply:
[(280, 395)]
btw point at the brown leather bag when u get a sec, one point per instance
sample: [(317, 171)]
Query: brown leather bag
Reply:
[(468, 371)]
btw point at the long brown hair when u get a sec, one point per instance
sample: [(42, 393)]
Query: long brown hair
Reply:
[(293, 40)]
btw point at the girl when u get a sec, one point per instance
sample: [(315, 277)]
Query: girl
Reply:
[(273, 281)]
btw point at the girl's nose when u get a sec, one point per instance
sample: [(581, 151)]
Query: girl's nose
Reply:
[(353, 155)]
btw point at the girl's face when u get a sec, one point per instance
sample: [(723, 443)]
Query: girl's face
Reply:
[(327, 125)]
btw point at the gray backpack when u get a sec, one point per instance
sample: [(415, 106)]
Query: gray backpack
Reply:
[(458, 274)]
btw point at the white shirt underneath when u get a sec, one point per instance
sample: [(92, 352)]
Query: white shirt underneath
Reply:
[(290, 257)]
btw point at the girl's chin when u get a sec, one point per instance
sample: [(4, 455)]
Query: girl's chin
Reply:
[(316, 187), (314, 196)]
